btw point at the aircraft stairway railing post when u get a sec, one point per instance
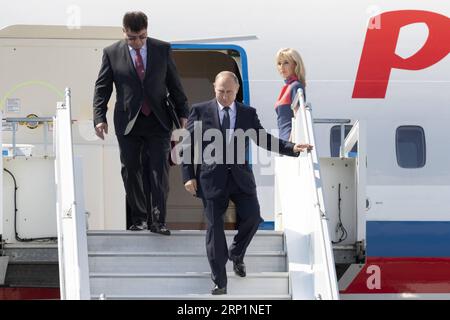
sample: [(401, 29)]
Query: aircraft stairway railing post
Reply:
[(299, 189), (71, 217)]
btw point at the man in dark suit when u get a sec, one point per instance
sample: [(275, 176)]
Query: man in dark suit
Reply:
[(143, 72), (217, 181)]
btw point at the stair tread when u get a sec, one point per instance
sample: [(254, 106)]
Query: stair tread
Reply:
[(175, 233), (185, 275), (177, 254)]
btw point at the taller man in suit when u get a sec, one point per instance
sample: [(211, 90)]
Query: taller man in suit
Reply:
[(143, 72), (216, 182)]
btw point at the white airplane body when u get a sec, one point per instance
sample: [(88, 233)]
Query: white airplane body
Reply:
[(385, 65)]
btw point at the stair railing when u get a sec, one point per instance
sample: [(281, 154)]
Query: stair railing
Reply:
[(299, 192), (70, 211)]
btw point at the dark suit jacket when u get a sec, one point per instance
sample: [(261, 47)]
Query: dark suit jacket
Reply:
[(160, 76), (212, 178)]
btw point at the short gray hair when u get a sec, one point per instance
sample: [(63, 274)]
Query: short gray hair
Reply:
[(228, 74)]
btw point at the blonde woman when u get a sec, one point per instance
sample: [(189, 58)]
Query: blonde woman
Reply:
[(291, 68)]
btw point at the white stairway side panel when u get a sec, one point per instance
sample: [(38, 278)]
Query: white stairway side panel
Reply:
[(72, 244), (80, 234), (293, 195)]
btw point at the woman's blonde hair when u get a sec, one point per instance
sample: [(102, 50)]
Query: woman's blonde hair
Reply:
[(293, 56)]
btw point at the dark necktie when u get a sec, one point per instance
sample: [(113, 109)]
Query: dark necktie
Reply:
[(226, 123), (145, 109), (225, 127)]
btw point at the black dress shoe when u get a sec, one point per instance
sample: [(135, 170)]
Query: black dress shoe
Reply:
[(217, 291), (239, 268), (159, 228), (138, 226)]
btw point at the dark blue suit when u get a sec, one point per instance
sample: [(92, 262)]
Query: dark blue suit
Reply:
[(217, 183)]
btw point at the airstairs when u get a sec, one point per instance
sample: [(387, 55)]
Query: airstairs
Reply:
[(293, 262), (143, 265)]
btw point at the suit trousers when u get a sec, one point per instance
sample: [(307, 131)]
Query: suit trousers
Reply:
[(144, 156), (248, 213)]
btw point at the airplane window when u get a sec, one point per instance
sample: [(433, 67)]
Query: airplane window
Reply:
[(335, 141), (410, 147)]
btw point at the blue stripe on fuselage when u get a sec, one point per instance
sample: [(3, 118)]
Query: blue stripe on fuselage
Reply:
[(408, 238)]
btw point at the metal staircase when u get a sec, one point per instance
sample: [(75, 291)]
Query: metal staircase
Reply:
[(143, 265)]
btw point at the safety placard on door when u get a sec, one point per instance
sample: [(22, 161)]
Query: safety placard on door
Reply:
[(13, 105)]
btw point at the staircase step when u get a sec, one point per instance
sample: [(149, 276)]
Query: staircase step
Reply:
[(113, 284), (178, 241), (31, 252), (118, 262)]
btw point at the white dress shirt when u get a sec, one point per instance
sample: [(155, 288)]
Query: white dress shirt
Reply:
[(143, 52)]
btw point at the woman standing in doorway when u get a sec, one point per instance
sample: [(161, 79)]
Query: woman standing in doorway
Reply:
[(291, 68)]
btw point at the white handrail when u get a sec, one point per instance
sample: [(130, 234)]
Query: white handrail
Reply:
[(72, 238), (316, 185), (350, 140), (298, 185)]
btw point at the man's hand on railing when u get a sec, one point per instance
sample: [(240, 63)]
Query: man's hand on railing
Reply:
[(100, 129), (302, 147)]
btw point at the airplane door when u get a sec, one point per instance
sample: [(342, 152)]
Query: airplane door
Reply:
[(198, 66)]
